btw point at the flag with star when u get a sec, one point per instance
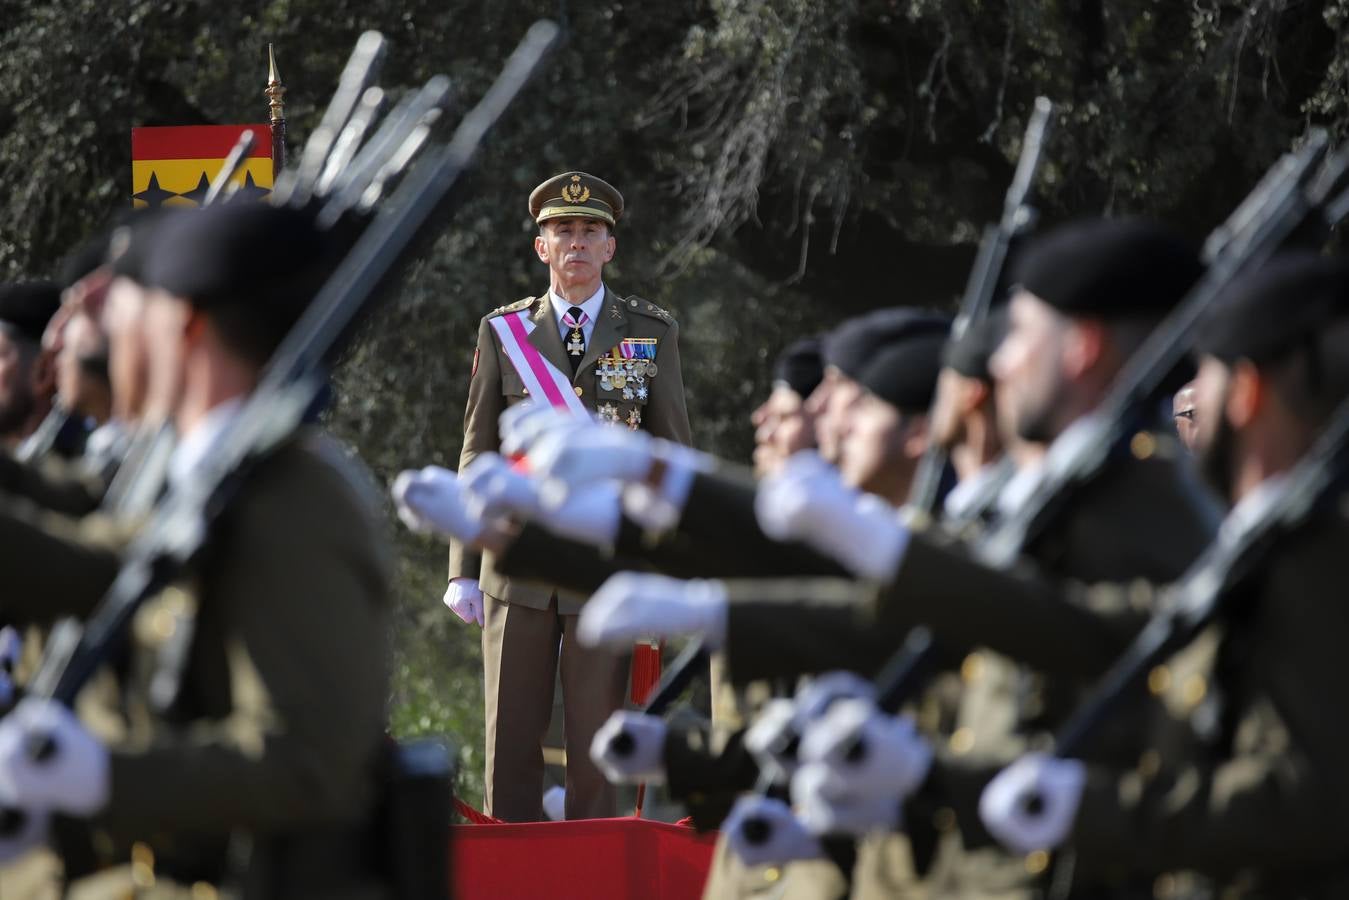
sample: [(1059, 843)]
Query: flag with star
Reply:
[(174, 166)]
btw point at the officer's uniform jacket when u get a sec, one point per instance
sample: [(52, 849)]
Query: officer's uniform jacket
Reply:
[(495, 385)]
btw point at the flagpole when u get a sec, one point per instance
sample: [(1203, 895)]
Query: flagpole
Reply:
[(275, 92)]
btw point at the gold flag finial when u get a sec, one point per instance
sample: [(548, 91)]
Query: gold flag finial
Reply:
[(275, 89), (275, 92)]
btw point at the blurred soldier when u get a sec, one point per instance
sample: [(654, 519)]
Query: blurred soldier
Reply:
[(1182, 412), (1086, 301), (584, 349), (247, 726), (782, 424), (1243, 779), (965, 422), (80, 339), (26, 377)]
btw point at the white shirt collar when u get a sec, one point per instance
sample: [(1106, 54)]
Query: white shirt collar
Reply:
[(198, 444), (591, 307), (967, 490)]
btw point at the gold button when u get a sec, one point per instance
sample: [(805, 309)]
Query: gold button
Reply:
[(962, 740), (772, 873), (1159, 680), (1193, 690), (203, 891), (1037, 862), (577, 389), (972, 668), (1143, 445)]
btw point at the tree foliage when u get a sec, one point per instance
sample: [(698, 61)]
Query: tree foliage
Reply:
[(786, 162)]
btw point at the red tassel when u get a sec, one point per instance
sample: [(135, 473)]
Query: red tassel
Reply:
[(645, 670)]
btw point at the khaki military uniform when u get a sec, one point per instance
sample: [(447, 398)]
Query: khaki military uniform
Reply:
[(252, 708), (524, 622), (1241, 789)]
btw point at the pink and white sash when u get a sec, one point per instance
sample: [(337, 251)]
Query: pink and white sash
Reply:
[(541, 378)]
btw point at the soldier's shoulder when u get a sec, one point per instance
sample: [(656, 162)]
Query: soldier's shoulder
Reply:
[(518, 305), (645, 307)]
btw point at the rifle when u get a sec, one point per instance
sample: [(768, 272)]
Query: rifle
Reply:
[(290, 382), (904, 673), (1018, 216), (1298, 191), (1194, 601)]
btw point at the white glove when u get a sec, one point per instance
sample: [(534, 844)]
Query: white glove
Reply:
[(590, 513), (579, 456), (630, 748), (524, 423), (763, 831), (857, 765), (827, 804), (631, 605), (492, 488), (555, 803), (432, 500), (774, 738), (1031, 804), (74, 779), (815, 698), (464, 598), (807, 501)]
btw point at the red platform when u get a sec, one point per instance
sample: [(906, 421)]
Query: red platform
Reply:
[(613, 859)]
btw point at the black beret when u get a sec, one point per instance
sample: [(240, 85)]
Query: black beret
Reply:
[(236, 254), (1281, 306), (969, 353), (130, 241), (27, 307), (801, 366), (852, 345), (84, 259), (904, 373), (1109, 269)]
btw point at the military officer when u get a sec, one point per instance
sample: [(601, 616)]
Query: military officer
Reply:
[(578, 346), (246, 726)]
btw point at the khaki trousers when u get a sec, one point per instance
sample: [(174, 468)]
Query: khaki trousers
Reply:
[(520, 652)]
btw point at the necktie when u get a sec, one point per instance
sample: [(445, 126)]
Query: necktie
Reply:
[(575, 320)]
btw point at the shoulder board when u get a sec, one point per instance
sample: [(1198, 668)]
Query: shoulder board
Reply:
[(513, 307), (646, 307)]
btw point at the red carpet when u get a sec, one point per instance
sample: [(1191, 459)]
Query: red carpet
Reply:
[(593, 859)]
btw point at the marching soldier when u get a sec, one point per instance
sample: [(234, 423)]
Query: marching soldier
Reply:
[(581, 348), (26, 377), (1240, 789), (249, 754)]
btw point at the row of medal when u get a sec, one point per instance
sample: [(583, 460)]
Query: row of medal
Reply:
[(628, 375)]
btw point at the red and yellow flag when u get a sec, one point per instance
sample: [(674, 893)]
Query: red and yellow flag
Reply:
[(174, 166)]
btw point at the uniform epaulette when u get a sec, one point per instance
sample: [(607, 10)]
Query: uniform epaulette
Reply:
[(637, 304), (513, 307)]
